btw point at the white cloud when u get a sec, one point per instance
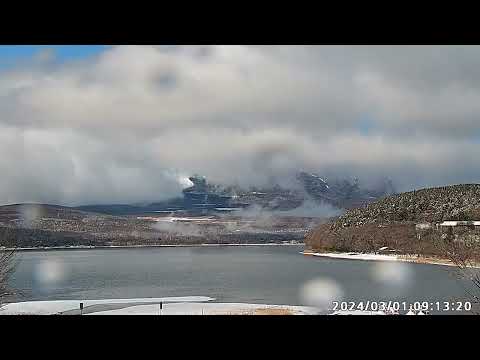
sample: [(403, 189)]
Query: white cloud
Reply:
[(127, 124)]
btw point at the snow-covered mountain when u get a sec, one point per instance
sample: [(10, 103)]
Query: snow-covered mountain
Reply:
[(341, 193)]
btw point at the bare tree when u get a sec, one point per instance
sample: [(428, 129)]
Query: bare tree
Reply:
[(7, 261), (6, 269), (464, 255)]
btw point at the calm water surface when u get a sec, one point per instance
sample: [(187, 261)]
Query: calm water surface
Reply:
[(254, 274)]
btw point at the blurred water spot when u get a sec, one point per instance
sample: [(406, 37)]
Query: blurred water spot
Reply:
[(394, 277), (321, 292), (50, 272)]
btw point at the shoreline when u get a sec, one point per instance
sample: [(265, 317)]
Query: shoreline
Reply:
[(111, 247), (380, 257)]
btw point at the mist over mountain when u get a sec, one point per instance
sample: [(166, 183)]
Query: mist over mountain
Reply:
[(304, 194)]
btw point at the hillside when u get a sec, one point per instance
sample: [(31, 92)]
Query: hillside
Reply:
[(392, 221), (26, 212), (38, 225), (456, 202)]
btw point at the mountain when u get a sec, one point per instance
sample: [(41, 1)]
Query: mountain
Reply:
[(343, 193), (204, 196), (393, 222), (340, 193)]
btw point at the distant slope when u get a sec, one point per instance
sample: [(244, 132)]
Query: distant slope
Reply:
[(112, 209), (42, 225), (29, 211)]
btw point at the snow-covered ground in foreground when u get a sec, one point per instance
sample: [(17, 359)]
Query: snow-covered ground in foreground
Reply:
[(187, 305), (61, 306), (212, 309)]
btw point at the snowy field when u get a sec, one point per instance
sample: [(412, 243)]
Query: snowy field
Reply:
[(188, 305), (67, 306)]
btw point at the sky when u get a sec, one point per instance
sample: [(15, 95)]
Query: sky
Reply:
[(9, 54), (122, 124)]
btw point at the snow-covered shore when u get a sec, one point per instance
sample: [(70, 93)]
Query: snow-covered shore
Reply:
[(354, 256), (187, 305), (379, 257)]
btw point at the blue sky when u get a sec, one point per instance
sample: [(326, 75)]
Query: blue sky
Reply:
[(11, 53), (366, 125)]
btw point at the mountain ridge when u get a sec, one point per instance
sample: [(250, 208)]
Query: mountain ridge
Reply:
[(342, 193)]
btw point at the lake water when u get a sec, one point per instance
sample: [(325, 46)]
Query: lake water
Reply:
[(252, 274)]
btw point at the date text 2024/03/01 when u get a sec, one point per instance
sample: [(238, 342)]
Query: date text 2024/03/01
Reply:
[(402, 305)]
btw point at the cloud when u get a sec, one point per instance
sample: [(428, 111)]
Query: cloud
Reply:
[(126, 124), (179, 228), (310, 208)]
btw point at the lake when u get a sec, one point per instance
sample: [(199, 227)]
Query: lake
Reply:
[(250, 274)]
